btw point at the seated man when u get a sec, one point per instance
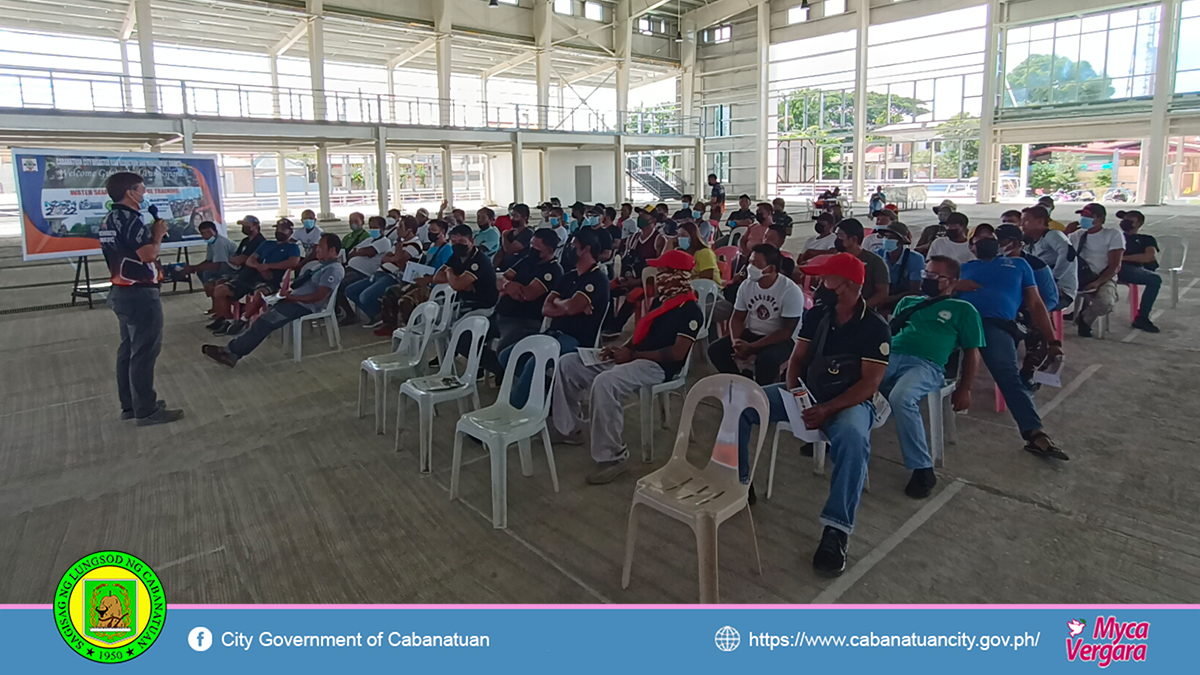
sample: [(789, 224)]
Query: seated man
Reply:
[(399, 301), (1138, 266), (954, 244), (1101, 251), (765, 314), (1012, 241), (251, 228), (840, 333), (927, 329), (998, 286), (776, 236), (1053, 248), (929, 234), (515, 242), (685, 212), (262, 273), (822, 242), (357, 231), (216, 258), (469, 272), (575, 307), (523, 290), (309, 294), (875, 285), (488, 237), (367, 294), (362, 263), (661, 343), (742, 214), (906, 267), (308, 236), (779, 217)]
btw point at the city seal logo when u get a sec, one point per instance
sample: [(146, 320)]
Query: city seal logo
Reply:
[(109, 607)]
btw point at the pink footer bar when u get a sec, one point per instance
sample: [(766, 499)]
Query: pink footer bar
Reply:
[(710, 607)]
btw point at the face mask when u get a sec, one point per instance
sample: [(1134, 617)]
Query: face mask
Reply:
[(461, 250), (753, 273), (825, 296), (1126, 225), (839, 245), (554, 221), (760, 217), (210, 239), (391, 222), (1086, 222), (986, 249), (247, 230), (591, 221), (685, 243), (687, 205), (355, 226), (889, 245), (942, 217), (282, 236), (309, 223), (697, 214), (953, 232), (374, 233), (931, 287)]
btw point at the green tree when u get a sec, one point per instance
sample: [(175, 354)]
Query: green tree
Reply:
[(803, 109), (1042, 79), (1057, 173), (1103, 178)]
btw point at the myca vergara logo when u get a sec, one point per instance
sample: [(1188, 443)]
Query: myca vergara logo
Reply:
[(1111, 641), (109, 607)]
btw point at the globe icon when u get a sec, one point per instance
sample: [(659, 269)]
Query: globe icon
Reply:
[(728, 639)]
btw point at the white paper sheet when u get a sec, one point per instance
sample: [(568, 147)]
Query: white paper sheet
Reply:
[(590, 356), (413, 270), (795, 401)]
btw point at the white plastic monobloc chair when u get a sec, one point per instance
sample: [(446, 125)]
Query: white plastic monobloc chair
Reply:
[(707, 293), (432, 390), (703, 497), (407, 360), (444, 297), (1172, 255), (500, 424), (819, 447), (296, 329), (942, 425)]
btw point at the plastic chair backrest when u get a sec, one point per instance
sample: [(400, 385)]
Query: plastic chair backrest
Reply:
[(727, 253), (477, 326), (736, 236), (415, 341), (616, 266), (545, 352), (736, 394), (1172, 252), (707, 292), (329, 305), (443, 295), (600, 327)]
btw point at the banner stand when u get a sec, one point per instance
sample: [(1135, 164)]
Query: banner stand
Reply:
[(181, 256), (88, 288)]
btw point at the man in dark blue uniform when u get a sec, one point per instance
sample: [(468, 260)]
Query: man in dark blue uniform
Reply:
[(131, 250)]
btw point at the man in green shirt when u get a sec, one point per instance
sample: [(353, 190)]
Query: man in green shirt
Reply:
[(926, 330), (357, 233)]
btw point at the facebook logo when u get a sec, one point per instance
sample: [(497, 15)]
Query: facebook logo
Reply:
[(200, 639)]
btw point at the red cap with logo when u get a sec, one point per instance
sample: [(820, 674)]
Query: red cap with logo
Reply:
[(674, 260), (844, 265)]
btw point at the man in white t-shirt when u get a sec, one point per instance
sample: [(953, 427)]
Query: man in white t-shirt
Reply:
[(822, 242), (628, 221), (307, 235), (362, 262), (1101, 249), (954, 245), (423, 225), (765, 314)]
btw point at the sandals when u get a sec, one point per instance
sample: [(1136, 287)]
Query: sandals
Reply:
[(1047, 449)]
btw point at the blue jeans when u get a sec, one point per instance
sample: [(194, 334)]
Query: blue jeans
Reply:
[(905, 384), (366, 293), (279, 316), (520, 390), (849, 434), (1000, 357), (1132, 274)]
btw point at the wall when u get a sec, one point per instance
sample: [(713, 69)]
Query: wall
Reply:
[(561, 182), (501, 176), (738, 89)]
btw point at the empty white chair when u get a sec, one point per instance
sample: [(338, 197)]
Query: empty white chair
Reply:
[(703, 497), (296, 328), (1172, 254), (444, 297), (500, 424), (446, 385), (407, 360), (707, 294)]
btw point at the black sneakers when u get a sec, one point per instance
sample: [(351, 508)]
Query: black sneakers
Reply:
[(128, 414), (1143, 323), (752, 498), (1085, 330), (231, 328), (830, 558), (160, 416), (217, 324), (921, 484)]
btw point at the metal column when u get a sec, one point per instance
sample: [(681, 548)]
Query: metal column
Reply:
[(989, 159), (620, 181), (542, 36), (145, 33), (518, 168), (441, 24), (316, 60), (622, 39), (273, 61), (381, 168), (323, 182), (858, 191), (1154, 156), (687, 96), (448, 176), (281, 169), (764, 48)]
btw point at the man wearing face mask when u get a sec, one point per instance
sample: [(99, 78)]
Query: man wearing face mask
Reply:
[(469, 272), (822, 242), (423, 225), (779, 217), (998, 286), (1101, 251), (308, 235), (765, 313), (841, 355), (262, 274), (1053, 248), (557, 221), (875, 281), (357, 231), (906, 267), (883, 218), (954, 244), (1011, 244), (216, 258), (685, 212), (926, 330), (1138, 266), (488, 237), (592, 222), (662, 341), (362, 263), (516, 241), (523, 290), (929, 234)]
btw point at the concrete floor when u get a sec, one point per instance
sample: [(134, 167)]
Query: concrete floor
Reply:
[(271, 491)]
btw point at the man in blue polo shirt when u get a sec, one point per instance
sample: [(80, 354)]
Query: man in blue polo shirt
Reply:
[(997, 286)]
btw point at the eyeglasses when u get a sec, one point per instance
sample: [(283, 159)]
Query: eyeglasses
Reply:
[(932, 275)]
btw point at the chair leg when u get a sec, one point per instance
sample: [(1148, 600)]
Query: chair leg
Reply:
[(771, 471), (665, 397), (297, 333), (647, 417), (706, 555), (1174, 288), (754, 540), (951, 422), (399, 420), (499, 485), (550, 456), (525, 450), (819, 457), (936, 428), (630, 540), (335, 333), (426, 412), (381, 402), (456, 466), (362, 391)]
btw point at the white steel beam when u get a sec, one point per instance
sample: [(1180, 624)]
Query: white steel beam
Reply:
[(719, 11), (412, 52), (442, 26), (543, 17), (129, 21), (145, 29), (590, 72), (860, 100), (316, 69), (505, 66), (640, 7), (293, 36), (989, 158), (763, 38), (622, 41)]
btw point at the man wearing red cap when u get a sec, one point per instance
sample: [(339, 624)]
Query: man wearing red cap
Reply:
[(841, 355), (661, 343)]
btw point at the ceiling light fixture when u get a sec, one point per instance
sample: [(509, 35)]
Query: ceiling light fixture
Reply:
[(493, 4), (803, 4)]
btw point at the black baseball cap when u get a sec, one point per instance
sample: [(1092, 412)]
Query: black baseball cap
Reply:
[(1009, 232), (1093, 210)]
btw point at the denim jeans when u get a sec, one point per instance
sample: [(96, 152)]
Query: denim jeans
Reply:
[(520, 389), (279, 316), (1000, 357), (366, 293), (1132, 274), (905, 384), (849, 434), (139, 312)]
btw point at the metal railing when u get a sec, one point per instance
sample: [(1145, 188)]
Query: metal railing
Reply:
[(72, 90)]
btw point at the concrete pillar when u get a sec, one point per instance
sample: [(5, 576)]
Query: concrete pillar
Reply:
[(1177, 170), (687, 97), (381, 168), (323, 182), (316, 57), (488, 193), (276, 109), (1143, 163), (1154, 156), (764, 47), (621, 180), (391, 89), (448, 176), (281, 169), (483, 91), (395, 176), (145, 32), (622, 39), (543, 23), (1023, 172), (518, 168), (863, 11), (188, 128), (441, 24), (701, 173), (1116, 163), (544, 173), (989, 160), (126, 84)]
